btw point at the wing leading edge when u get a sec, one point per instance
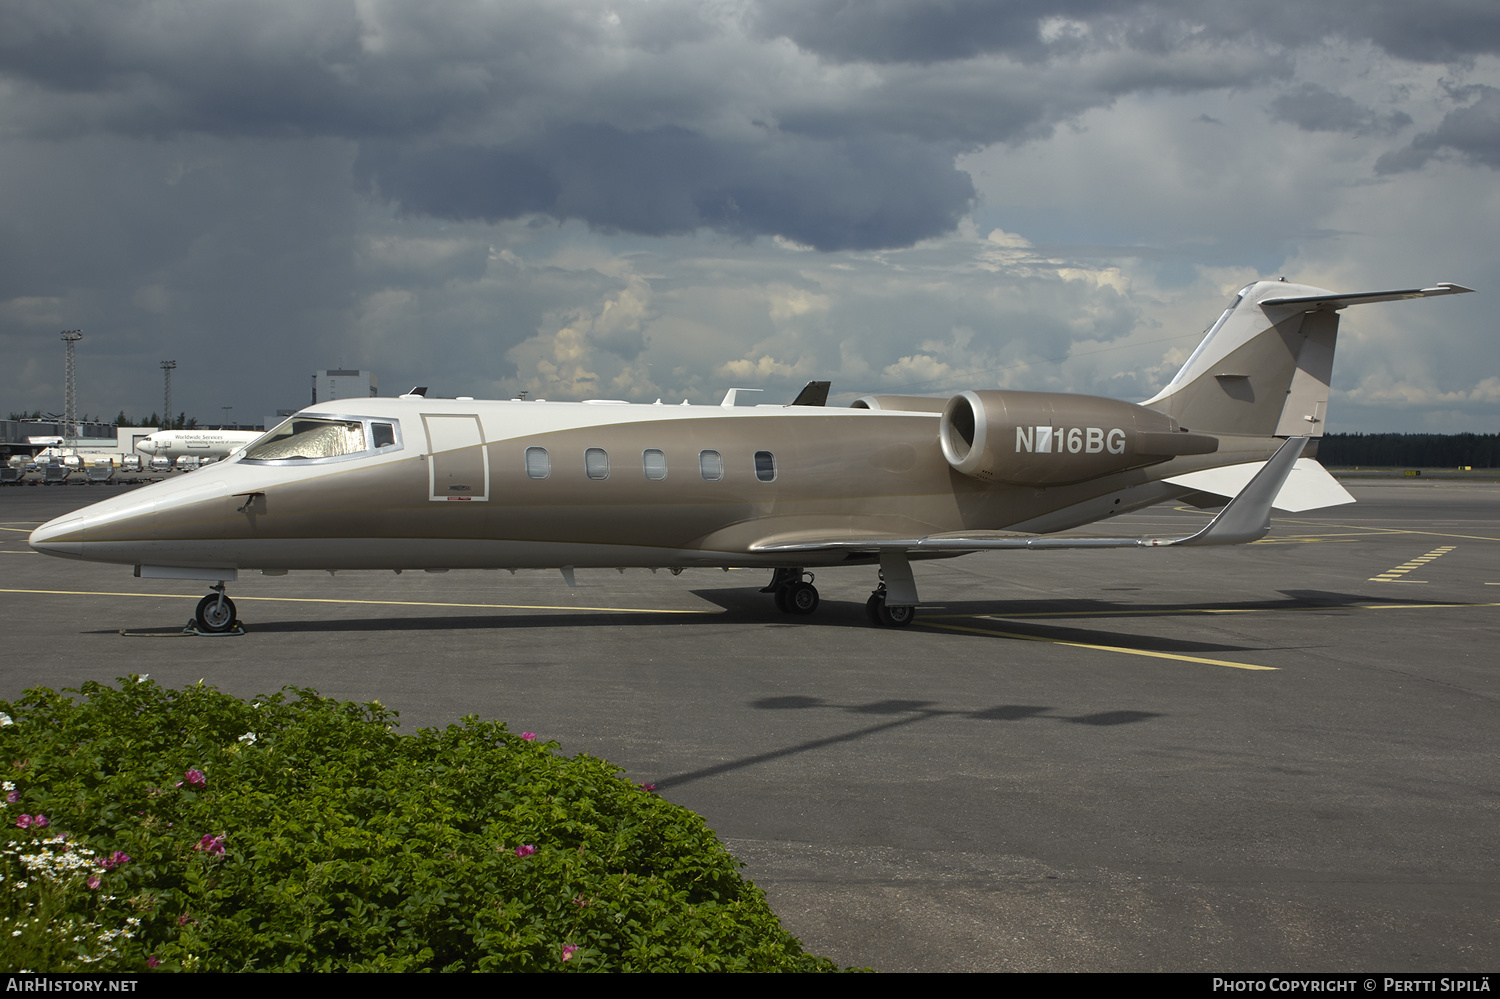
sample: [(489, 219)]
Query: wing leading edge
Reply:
[(1247, 517)]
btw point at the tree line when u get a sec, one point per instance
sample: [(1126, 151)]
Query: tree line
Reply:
[(1411, 450)]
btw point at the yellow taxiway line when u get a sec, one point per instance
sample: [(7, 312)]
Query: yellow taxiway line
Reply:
[(1394, 575), (1189, 611), (382, 603), (1101, 648), (1367, 529)]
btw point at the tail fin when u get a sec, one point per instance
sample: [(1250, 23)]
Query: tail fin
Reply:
[(1264, 368)]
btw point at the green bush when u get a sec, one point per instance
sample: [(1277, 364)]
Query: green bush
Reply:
[(192, 830)]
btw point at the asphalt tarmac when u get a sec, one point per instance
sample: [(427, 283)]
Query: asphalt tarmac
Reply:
[(1275, 757)]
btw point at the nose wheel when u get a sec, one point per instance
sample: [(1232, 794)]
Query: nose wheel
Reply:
[(215, 613), (794, 594)]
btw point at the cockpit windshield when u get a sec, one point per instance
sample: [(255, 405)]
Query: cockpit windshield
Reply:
[(305, 438)]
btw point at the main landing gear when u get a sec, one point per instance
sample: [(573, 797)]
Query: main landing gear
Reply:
[(889, 615), (794, 594), (215, 614)]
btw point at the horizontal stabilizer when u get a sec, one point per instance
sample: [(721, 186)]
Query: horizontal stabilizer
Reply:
[(1366, 297), (1309, 487)]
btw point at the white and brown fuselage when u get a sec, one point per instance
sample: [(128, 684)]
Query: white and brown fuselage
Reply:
[(624, 485)]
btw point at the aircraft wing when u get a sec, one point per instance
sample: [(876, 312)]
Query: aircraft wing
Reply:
[(1247, 517)]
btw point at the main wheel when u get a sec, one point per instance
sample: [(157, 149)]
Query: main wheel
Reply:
[(779, 595), (897, 617), (891, 617), (801, 598), (215, 615)]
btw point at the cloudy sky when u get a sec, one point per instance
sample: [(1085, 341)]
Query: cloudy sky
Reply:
[(658, 198)]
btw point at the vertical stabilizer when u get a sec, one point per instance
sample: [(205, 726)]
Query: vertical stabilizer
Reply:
[(1264, 368)]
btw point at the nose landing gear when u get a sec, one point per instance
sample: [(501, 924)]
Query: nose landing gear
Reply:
[(215, 613)]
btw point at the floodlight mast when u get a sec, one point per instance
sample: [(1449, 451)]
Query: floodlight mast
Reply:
[(166, 369), (70, 384)]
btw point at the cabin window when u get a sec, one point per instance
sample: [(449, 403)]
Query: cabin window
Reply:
[(306, 438), (655, 463), (538, 463), (596, 463), (711, 464), (765, 466), (382, 434)]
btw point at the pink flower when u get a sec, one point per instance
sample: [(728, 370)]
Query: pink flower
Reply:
[(114, 860), (568, 950), (211, 844), (152, 961), (529, 736), (23, 822), (13, 797), (525, 850), (41, 821), (648, 787), (95, 881), (195, 778)]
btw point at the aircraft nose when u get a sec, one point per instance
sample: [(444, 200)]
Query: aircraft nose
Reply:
[(148, 446), (48, 539)]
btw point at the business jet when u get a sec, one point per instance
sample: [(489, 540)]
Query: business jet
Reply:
[(425, 483), (198, 443)]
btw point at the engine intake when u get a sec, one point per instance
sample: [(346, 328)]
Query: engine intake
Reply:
[(1053, 439)]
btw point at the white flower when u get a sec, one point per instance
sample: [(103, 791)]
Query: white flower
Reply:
[(248, 738), (4, 721)]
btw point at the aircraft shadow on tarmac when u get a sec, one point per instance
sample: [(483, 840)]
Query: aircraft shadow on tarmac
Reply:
[(741, 606), (910, 712)]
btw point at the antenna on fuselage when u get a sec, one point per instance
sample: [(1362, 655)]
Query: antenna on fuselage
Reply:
[(417, 392), (728, 402), (813, 394)]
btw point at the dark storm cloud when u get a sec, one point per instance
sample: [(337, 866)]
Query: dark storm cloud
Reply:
[(923, 31), (920, 31), (670, 116), (1472, 132), (1317, 109), (859, 193)]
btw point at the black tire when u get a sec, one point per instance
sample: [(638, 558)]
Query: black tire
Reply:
[(801, 598), (780, 596), (899, 616), (215, 617)]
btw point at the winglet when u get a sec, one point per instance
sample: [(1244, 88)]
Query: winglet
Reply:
[(1247, 517)]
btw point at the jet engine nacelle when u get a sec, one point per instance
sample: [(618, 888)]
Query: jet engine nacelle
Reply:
[(1053, 439)]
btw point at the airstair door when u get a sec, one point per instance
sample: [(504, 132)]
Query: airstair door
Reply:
[(458, 463)]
